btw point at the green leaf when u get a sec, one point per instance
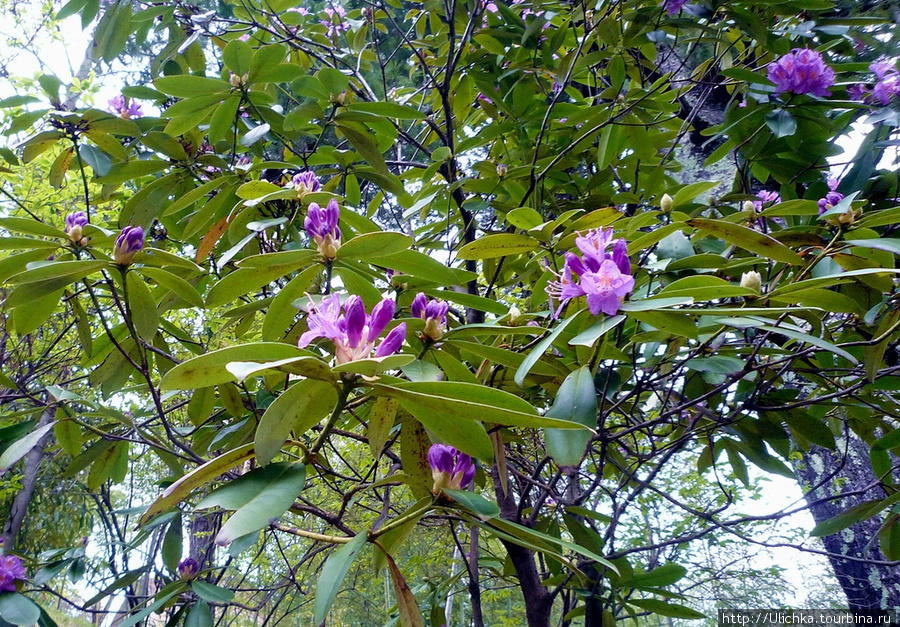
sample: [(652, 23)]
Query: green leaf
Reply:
[(144, 314), (690, 192), (388, 110), (473, 402), (381, 421), (499, 245), (210, 369), (365, 147), (748, 239), (238, 55), (374, 245), (375, 365), (211, 593), (298, 408), (261, 495), (31, 227), (68, 271), (200, 615), (175, 284), (469, 436), (811, 339), (781, 123), (576, 400), (121, 172), (173, 544), (333, 573), (664, 608), (475, 503), (201, 475), (18, 609), (597, 330), (666, 575), (187, 85), (542, 347), (20, 448), (846, 518)]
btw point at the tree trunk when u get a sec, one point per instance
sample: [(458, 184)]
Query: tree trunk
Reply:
[(23, 498), (867, 584)]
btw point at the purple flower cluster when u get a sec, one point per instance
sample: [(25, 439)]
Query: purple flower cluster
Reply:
[(75, 222), (433, 312), (604, 278), (832, 198), (352, 330), (673, 7), (801, 71), (123, 109), (305, 182), (450, 468), (322, 226), (766, 197), (11, 569), (887, 84), (129, 242), (335, 22)]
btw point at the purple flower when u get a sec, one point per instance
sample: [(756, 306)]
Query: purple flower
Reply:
[(888, 83), (602, 277), (123, 109), (433, 312), (75, 222), (129, 242), (11, 569), (188, 569), (450, 468), (832, 198), (673, 7), (765, 196), (337, 25), (352, 330), (801, 71), (305, 182), (322, 226)]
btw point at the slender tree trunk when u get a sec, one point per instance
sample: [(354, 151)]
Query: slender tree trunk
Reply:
[(23, 499), (868, 585), (537, 598)]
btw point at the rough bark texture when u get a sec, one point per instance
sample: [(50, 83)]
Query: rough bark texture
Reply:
[(867, 585), (537, 598), (23, 498)]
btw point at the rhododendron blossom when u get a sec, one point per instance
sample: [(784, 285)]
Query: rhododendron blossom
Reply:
[(801, 71), (352, 330), (602, 277)]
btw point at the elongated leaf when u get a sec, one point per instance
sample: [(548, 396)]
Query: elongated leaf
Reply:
[(538, 351), (664, 608), (333, 573), (499, 245), (576, 400), (473, 402), (20, 448), (374, 245), (298, 408), (210, 369), (17, 609), (175, 284), (410, 616), (68, 270), (201, 475), (748, 239), (261, 495), (144, 314), (381, 420), (469, 436)]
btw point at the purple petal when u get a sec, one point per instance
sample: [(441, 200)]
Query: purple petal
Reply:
[(355, 318), (381, 315), (418, 305), (440, 458), (392, 343)]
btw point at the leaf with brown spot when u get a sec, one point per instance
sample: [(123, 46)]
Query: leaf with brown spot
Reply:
[(211, 238)]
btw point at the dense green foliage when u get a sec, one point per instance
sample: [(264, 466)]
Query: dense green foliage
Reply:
[(468, 145)]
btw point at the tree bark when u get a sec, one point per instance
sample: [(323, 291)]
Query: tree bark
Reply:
[(23, 499), (537, 598), (868, 585)]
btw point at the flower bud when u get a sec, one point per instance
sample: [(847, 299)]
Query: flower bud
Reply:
[(502, 170), (666, 203), (188, 569), (74, 223), (450, 468), (749, 206), (237, 80), (514, 315), (752, 280), (129, 242)]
